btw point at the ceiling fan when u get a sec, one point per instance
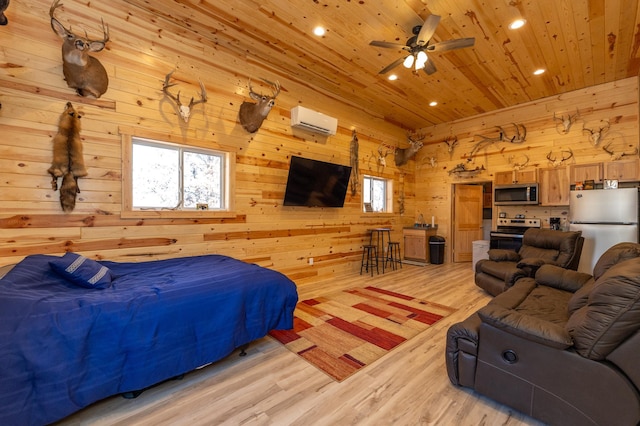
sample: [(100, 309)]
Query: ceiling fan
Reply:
[(419, 45)]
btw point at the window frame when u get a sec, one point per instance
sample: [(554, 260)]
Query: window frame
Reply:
[(388, 199), (128, 137)]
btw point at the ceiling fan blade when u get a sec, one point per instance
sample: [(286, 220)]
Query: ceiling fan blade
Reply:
[(391, 66), (386, 44), (459, 43), (429, 67), (427, 30)]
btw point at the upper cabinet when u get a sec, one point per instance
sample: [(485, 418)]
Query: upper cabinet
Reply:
[(623, 171), (515, 176), (554, 186), (585, 172)]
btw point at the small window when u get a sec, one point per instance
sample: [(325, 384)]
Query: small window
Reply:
[(166, 177), (376, 194)]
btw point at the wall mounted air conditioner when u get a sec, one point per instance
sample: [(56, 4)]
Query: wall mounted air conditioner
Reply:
[(313, 121)]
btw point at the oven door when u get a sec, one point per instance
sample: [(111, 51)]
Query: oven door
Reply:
[(503, 240)]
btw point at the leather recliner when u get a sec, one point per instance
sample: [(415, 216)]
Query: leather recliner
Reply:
[(561, 347), (539, 247)]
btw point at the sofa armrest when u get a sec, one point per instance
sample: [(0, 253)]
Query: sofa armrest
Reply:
[(560, 278), (531, 265), (501, 255), (525, 326)]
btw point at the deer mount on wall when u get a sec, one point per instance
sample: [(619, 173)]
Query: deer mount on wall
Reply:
[(451, 144), (183, 110), (563, 124), (517, 166), (81, 71), (596, 134), (565, 155), (403, 155), (68, 161), (251, 114), (519, 136), (618, 155)]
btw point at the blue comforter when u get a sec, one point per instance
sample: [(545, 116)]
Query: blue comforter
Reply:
[(63, 347)]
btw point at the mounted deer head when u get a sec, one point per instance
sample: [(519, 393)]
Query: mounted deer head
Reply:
[(565, 123), (566, 155), (596, 135), (403, 155), (81, 71), (252, 115), (451, 144), (183, 110)]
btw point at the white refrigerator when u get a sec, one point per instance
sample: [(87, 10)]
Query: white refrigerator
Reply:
[(605, 217)]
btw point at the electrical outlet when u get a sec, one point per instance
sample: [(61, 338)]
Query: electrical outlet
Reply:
[(311, 261)]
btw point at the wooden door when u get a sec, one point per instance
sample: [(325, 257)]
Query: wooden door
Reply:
[(467, 220)]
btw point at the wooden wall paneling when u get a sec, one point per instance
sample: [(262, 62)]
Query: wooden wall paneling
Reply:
[(616, 102), (142, 50)]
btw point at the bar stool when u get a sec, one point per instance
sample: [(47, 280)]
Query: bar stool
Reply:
[(393, 255), (377, 236), (369, 258)]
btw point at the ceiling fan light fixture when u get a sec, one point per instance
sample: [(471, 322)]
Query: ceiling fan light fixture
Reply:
[(393, 77), (518, 23), (408, 61), (421, 60)]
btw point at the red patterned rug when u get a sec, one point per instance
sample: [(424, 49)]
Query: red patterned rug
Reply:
[(342, 332)]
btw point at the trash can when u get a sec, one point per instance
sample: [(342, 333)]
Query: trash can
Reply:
[(480, 251), (436, 249)]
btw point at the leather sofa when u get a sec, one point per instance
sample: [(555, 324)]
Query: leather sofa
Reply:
[(539, 247), (561, 347)]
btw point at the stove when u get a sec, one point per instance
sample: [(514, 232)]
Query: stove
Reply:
[(509, 232)]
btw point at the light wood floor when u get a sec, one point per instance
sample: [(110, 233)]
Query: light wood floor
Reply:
[(273, 386)]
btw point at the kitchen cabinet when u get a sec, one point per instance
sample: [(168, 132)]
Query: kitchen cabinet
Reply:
[(515, 176), (623, 171), (584, 172), (416, 243), (554, 186)]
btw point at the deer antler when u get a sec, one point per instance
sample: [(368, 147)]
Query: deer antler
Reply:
[(596, 136), (556, 163), (565, 122), (451, 144), (184, 110), (519, 166), (517, 137), (619, 155)]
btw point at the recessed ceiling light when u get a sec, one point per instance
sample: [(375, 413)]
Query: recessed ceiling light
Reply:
[(319, 31), (393, 77), (518, 23), (539, 71), (433, 103)]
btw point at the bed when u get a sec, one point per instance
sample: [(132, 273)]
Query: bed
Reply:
[(74, 331)]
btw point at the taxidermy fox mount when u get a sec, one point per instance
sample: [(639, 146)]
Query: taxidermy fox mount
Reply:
[(68, 162)]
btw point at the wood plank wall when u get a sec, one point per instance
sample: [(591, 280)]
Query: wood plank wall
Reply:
[(141, 51), (615, 103)]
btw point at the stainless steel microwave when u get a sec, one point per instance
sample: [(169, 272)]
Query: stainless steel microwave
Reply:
[(516, 194)]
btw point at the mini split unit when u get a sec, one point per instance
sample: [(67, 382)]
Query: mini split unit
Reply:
[(313, 121)]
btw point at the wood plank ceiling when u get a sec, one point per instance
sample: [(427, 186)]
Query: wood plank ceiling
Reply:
[(580, 43)]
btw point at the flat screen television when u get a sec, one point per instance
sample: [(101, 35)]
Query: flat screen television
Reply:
[(316, 183)]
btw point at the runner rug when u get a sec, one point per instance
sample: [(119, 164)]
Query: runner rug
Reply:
[(345, 331)]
